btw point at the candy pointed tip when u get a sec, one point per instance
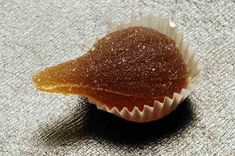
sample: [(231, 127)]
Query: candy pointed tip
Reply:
[(41, 83), (44, 83)]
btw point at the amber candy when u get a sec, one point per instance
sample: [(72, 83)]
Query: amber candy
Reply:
[(127, 68)]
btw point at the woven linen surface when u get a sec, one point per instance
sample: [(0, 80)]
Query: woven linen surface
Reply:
[(35, 34)]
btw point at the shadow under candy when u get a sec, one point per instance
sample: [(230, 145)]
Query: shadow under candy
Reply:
[(86, 121)]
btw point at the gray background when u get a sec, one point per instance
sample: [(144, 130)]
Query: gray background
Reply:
[(36, 34)]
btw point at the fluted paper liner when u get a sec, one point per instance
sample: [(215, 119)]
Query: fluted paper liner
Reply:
[(169, 104)]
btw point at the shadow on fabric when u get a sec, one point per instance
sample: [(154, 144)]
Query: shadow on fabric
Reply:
[(87, 122)]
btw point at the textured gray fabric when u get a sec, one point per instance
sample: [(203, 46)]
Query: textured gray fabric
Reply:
[(36, 34)]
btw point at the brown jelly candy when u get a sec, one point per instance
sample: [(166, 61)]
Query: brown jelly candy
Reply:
[(127, 68)]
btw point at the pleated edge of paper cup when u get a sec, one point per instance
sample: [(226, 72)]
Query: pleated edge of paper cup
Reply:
[(160, 109)]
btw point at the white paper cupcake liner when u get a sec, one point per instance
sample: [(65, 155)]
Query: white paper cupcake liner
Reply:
[(159, 109)]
